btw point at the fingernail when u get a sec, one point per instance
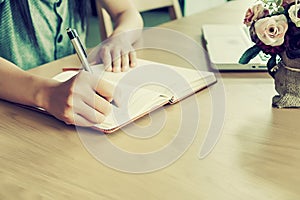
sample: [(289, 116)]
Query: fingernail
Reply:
[(108, 69), (132, 64)]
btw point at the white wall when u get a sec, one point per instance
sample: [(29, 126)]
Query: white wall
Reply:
[(193, 6)]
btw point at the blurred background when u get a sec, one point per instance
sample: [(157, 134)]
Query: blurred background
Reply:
[(151, 18)]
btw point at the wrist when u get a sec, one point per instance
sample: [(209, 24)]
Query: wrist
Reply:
[(42, 92)]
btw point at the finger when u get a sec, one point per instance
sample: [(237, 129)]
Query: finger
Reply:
[(105, 89), (81, 121), (110, 92), (108, 69), (117, 96), (89, 111), (116, 63), (106, 58), (92, 86), (125, 62), (76, 119), (101, 105), (132, 59)]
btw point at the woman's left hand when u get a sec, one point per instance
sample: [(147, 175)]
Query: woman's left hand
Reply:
[(116, 53)]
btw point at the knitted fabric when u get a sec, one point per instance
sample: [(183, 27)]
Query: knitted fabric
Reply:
[(287, 83), (50, 19)]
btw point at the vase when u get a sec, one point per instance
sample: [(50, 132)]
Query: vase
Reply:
[(287, 83)]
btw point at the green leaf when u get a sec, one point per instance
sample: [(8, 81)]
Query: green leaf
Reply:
[(249, 54), (278, 2), (280, 9)]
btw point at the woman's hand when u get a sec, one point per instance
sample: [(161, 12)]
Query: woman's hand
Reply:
[(116, 53), (83, 100)]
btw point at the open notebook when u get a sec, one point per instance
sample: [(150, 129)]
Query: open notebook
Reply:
[(146, 88)]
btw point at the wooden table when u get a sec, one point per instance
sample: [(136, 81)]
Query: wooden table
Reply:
[(257, 156)]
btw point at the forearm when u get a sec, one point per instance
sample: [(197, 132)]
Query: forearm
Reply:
[(21, 87), (128, 21), (84, 105), (125, 16)]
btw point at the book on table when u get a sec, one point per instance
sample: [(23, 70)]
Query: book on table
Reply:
[(145, 88)]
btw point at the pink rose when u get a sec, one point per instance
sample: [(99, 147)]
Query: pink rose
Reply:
[(271, 30), (256, 12)]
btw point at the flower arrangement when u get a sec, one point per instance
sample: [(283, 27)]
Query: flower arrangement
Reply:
[(274, 27)]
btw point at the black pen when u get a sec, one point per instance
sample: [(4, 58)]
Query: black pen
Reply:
[(81, 53)]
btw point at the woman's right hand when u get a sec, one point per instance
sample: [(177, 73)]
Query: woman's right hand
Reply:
[(83, 100)]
